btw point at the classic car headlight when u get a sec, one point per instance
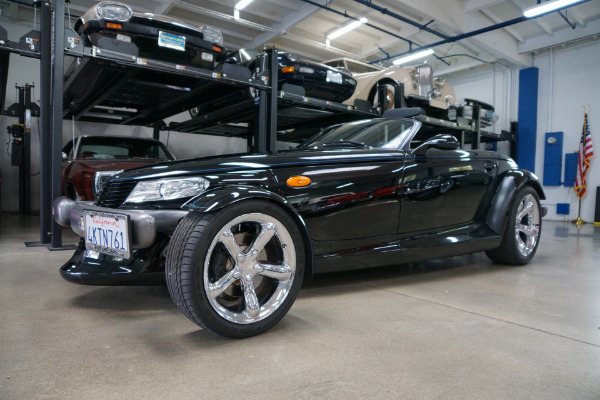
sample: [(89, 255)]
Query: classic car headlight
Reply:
[(291, 57), (212, 35), (114, 11), (167, 189)]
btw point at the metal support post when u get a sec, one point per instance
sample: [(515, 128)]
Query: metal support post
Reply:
[(476, 139), (57, 113), (272, 116), (383, 99), (45, 123)]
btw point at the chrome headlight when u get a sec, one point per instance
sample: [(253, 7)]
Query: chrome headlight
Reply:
[(167, 189), (114, 11), (212, 35), (292, 57)]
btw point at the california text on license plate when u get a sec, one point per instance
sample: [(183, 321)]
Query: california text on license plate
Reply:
[(334, 77), (107, 233), (171, 41)]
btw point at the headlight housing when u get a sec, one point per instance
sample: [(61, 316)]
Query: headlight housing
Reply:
[(212, 35), (167, 189), (114, 11)]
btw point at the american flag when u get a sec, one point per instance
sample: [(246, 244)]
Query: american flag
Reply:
[(586, 151)]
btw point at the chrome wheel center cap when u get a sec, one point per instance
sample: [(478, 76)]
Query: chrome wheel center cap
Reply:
[(247, 264)]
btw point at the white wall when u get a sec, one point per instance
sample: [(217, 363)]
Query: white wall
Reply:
[(492, 84), (568, 80), (26, 70)]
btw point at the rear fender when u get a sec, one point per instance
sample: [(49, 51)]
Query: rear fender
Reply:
[(225, 196), (511, 183)]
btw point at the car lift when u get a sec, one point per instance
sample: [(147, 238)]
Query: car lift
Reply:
[(124, 76)]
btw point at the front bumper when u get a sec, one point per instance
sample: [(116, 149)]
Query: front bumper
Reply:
[(145, 224)]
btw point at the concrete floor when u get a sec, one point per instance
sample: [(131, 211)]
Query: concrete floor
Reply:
[(458, 328)]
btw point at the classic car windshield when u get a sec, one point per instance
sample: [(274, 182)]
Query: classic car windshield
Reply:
[(372, 133), (120, 148)]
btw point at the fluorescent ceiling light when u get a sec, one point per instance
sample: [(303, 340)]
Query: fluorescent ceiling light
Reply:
[(547, 7), (413, 56), (345, 29), (242, 4)]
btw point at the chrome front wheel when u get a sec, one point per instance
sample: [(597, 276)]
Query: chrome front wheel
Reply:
[(237, 271)]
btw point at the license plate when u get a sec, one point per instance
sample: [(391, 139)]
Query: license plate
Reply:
[(107, 233), (334, 77), (171, 41)]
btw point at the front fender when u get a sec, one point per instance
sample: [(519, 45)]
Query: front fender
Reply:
[(224, 196), (512, 182)]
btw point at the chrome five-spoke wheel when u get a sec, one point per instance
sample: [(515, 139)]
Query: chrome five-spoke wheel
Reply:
[(249, 269), (527, 225), (237, 271), (521, 235)]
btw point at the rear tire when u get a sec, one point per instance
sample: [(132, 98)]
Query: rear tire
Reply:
[(523, 230), (236, 272)]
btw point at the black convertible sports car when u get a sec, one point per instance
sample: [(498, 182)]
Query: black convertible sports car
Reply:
[(235, 236), (111, 24)]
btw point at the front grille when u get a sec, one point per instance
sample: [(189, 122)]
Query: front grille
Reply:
[(114, 192)]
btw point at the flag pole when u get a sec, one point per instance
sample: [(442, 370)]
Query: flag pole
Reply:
[(578, 222)]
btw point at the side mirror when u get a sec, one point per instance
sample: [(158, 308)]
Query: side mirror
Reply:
[(441, 142), (231, 60)]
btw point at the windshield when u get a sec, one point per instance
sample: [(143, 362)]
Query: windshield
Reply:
[(371, 133), (120, 148)]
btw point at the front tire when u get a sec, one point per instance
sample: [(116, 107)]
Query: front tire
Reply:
[(236, 272), (523, 230)]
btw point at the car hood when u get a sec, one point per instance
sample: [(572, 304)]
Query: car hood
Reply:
[(241, 162), (114, 165)]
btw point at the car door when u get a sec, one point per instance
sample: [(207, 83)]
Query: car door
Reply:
[(351, 210), (442, 201)]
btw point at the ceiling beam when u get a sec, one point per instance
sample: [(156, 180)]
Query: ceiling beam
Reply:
[(286, 23), (498, 43), (560, 37), (476, 5), (164, 7), (498, 20)]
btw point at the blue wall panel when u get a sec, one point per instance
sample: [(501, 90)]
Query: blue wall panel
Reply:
[(528, 104), (553, 149), (570, 168)]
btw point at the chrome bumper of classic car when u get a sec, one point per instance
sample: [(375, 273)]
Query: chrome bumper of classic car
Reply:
[(144, 224)]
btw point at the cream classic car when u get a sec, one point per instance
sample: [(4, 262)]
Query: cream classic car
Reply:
[(421, 89)]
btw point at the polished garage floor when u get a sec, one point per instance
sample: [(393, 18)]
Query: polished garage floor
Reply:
[(458, 328)]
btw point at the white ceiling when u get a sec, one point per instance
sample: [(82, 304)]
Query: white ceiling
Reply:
[(300, 27)]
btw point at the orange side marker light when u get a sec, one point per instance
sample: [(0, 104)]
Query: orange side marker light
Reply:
[(298, 181)]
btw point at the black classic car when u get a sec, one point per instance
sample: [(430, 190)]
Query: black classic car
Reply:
[(308, 78), (235, 236), (111, 24)]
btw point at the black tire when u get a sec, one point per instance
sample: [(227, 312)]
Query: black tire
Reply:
[(522, 232), (249, 292)]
